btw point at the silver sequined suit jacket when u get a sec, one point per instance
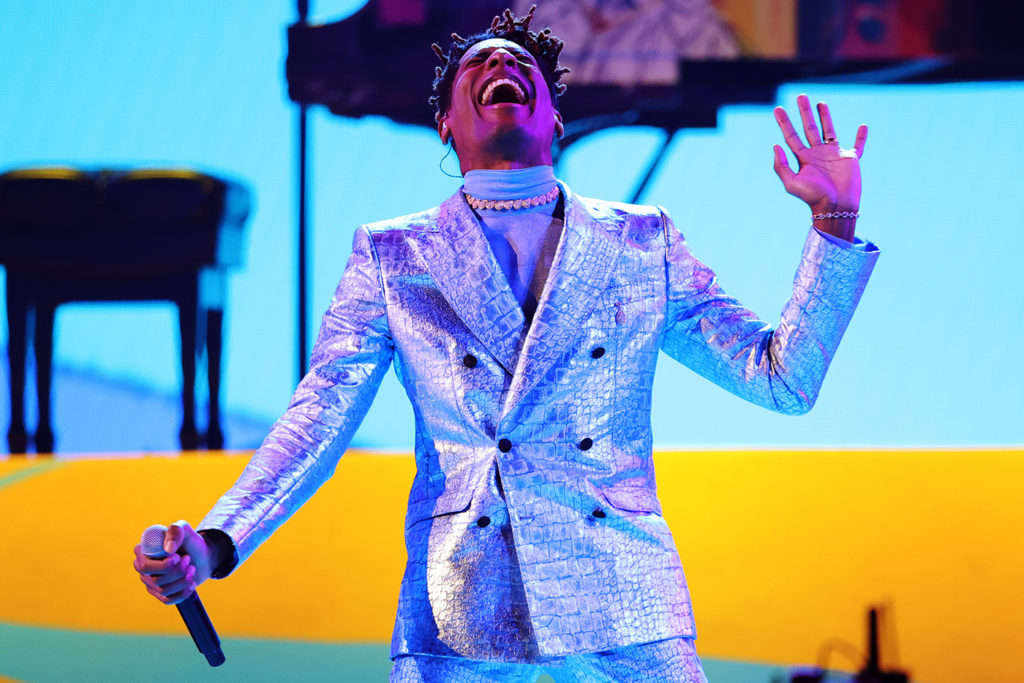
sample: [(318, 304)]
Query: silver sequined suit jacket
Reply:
[(557, 413)]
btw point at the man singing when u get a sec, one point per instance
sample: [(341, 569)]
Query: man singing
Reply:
[(525, 323)]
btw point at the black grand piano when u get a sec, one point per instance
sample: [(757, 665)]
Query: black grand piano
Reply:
[(377, 62), (70, 235)]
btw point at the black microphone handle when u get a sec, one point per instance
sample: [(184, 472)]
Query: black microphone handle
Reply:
[(201, 629)]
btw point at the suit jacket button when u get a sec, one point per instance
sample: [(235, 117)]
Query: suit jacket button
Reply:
[(469, 361), (483, 521), (504, 445), (599, 513), (598, 352), (586, 444)]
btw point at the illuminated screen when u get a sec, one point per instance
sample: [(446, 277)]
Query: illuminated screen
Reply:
[(930, 357)]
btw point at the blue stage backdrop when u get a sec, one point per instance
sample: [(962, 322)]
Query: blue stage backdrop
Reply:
[(930, 357)]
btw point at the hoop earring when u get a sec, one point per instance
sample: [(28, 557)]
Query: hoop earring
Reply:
[(440, 166)]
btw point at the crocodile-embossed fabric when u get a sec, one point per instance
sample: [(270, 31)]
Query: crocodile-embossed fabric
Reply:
[(542, 429), (673, 660)]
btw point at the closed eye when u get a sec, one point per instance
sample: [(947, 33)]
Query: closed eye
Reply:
[(524, 58)]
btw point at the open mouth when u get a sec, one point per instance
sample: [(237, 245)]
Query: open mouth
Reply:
[(503, 91)]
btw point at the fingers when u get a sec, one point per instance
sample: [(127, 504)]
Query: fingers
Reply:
[(170, 580), (814, 137), (789, 134), (172, 539), (175, 573), (173, 578), (192, 543), (862, 138), (181, 538), (172, 593), (781, 166), (803, 103), (828, 130), (146, 565), (175, 598), (152, 567), (169, 583)]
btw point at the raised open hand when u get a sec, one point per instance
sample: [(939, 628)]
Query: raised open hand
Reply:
[(828, 176)]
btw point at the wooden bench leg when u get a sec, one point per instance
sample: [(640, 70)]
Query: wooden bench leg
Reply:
[(17, 324), (188, 435), (44, 376), (214, 340)]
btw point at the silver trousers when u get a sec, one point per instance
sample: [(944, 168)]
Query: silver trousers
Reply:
[(673, 660)]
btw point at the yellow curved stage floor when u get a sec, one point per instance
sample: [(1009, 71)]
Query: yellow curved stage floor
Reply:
[(784, 550)]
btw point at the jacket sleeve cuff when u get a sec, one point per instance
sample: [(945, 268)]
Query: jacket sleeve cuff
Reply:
[(221, 539), (858, 244)]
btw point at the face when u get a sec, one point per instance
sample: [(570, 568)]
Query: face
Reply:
[(501, 114)]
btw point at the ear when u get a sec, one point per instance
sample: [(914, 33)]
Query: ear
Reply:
[(559, 128), (442, 129)]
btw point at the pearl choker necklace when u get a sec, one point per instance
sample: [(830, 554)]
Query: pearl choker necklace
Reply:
[(508, 204)]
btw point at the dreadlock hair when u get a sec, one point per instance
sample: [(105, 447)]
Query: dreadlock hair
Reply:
[(544, 47)]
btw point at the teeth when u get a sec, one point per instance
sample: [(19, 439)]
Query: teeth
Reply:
[(488, 95)]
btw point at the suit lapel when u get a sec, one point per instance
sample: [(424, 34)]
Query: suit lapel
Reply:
[(461, 263), (587, 253)]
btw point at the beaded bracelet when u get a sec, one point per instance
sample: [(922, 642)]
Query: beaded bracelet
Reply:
[(835, 214)]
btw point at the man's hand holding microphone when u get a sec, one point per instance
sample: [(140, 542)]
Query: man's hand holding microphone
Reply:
[(172, 562)]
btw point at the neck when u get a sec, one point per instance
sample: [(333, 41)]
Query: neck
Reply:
[(503, 165), (499, 154), (497, 163)]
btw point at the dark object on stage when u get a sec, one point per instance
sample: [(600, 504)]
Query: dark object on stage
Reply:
[(191, 608), (871, 672), (117, 235)]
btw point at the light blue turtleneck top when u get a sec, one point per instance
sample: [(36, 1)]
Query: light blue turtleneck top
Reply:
[(523, 240)]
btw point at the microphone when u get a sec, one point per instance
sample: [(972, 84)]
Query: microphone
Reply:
[(191, 609)]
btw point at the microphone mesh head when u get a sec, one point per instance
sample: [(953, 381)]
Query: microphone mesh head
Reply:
[(153, 542)]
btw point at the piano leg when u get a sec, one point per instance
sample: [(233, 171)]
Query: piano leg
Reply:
[(214, 336), (44, 375), (188, 435), (17, 323)]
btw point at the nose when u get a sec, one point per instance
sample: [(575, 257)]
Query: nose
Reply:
[(500, 57)]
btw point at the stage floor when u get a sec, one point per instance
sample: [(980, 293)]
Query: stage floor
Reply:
[(37, 655), (784, 551)]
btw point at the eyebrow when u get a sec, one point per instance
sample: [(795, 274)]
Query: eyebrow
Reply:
[(483, 52)]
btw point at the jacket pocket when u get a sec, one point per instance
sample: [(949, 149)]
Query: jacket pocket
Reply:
[(458, 498), (632, 499)]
